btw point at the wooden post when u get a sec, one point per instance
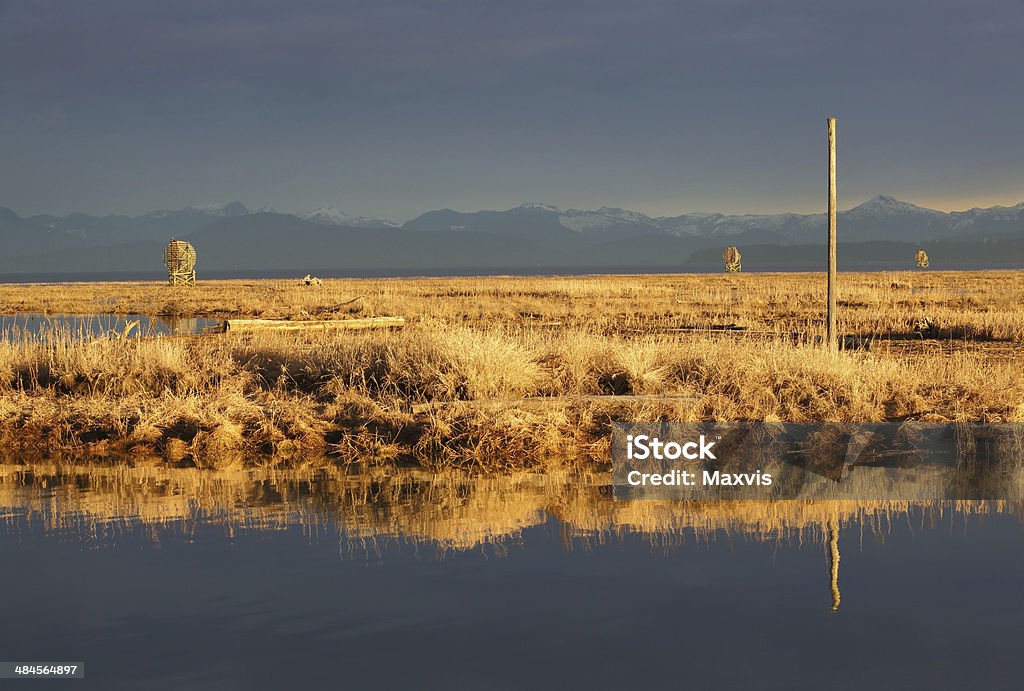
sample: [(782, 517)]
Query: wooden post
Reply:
[(831, 336)]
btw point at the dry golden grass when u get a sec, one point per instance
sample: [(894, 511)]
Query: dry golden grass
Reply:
[(230, 400), (974, 305)]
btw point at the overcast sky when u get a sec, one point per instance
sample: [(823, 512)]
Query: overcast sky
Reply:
[(395, 107)]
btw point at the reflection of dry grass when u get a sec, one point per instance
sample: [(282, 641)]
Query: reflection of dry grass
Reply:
[(449, 509), (215, 400)]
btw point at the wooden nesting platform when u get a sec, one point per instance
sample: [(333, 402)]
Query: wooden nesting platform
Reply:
[(254, 325)]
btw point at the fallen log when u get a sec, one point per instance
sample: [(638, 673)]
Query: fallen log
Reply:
[(552, 401), (252, 325)]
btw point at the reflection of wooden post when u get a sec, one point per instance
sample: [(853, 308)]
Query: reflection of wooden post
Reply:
[(833, 547), (831, 337)]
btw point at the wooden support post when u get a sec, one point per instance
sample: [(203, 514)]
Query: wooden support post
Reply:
[(831, 336)]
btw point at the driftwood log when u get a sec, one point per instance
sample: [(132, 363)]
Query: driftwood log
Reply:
[(252, 325), (553, 402)]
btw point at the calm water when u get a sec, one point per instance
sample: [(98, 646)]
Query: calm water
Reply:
[(180, 579), (35, 325)]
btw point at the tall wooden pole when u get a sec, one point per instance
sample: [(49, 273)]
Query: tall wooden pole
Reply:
[(831, 336)]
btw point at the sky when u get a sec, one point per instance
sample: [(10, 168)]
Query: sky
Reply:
[(394, 107)]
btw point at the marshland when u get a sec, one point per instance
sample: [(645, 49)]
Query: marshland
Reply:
[(460, 383), (266, 503)]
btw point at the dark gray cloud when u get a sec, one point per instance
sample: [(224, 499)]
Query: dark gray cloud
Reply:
[(393, 107)]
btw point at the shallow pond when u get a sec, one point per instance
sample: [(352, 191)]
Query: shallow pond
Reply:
[(163, 579), (31, 325)]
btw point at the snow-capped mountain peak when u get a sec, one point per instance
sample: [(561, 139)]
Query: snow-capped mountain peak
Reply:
[(884, 204), (330, 215), (220, 208), (534, 206), (333, 216), (582, 221), (624, 214), (213, 210)]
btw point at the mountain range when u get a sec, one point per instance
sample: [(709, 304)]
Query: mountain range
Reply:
[(880, 218), (231, 237)]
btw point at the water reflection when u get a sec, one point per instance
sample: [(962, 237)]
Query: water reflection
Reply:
[(440, 513), (829, 461), (450, 509), (38, 326), (182, 578)]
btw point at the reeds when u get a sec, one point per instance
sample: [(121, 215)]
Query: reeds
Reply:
[(224, 400)]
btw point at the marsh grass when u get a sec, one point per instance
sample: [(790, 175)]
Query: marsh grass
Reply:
[(229, 400), (220, 397), (978, 306)]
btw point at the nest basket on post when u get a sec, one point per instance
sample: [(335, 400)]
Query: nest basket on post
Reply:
[(731, 258), (922, 259), (180, 258)]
